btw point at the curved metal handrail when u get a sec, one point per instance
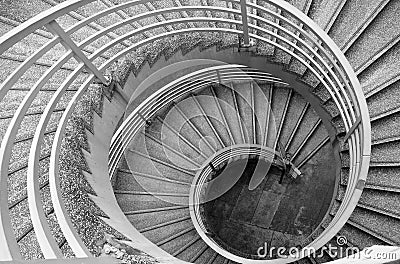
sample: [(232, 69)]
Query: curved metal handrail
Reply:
[(191, 81), (200, 180), (326, 62)]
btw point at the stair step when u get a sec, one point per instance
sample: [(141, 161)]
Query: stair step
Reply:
[(279, 99), (382, 70), (377, 210), (309, 120), (370, 233), (150, 221), (386, 153), (154, 210), (228, 109), (175, 139), (244, 94), (194, 253), (384, 164), (158, 150), (139, 182), (129, 202), (381, 226), (359, 238), (208, 122), (353, 15), (318, 140), (379, 31), (169, 237), (324, 13), (206, 256), (262, 107), (385, 128), (310, 79), (294, 113)]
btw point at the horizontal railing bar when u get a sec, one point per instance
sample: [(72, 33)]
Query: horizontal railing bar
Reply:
[(227, 21), (193, 84), (93, 25), (33, 165), (38, 32), (183, 79), (56, 29), (38, 21)]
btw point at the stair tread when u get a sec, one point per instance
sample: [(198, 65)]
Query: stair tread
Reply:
[(375, 37), (322, 11), (245, 100), (309, 120), (280, 96), (386, 153), (353, 15), (228, 108), (262, 108), (382, 225), (294, 112), (386, 128)]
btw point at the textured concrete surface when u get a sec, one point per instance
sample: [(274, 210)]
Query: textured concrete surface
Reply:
[(294, 111), (383, 177), (382, 29), (321, 11), (313, 142), (385, 100), (387, 127), (382, 70), (309, 120), (358, 238), (280, 96), (352, 16)]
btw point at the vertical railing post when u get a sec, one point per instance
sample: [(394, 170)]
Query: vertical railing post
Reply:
[(246, 40)]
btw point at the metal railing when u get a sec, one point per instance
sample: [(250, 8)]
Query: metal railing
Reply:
[(307, 43), (201, 178)]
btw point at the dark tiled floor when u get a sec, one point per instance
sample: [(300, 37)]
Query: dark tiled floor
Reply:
[(273, 213)]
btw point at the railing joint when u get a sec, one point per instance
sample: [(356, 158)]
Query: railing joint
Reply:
[(212, 167), (68, 43), (352, 129), (148, 122)]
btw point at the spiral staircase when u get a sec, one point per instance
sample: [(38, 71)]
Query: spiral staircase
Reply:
[(117, 116)]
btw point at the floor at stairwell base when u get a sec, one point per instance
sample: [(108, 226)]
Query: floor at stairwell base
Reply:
[(281, 215)]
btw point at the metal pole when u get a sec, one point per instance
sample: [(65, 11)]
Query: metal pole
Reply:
[(243, 8)]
